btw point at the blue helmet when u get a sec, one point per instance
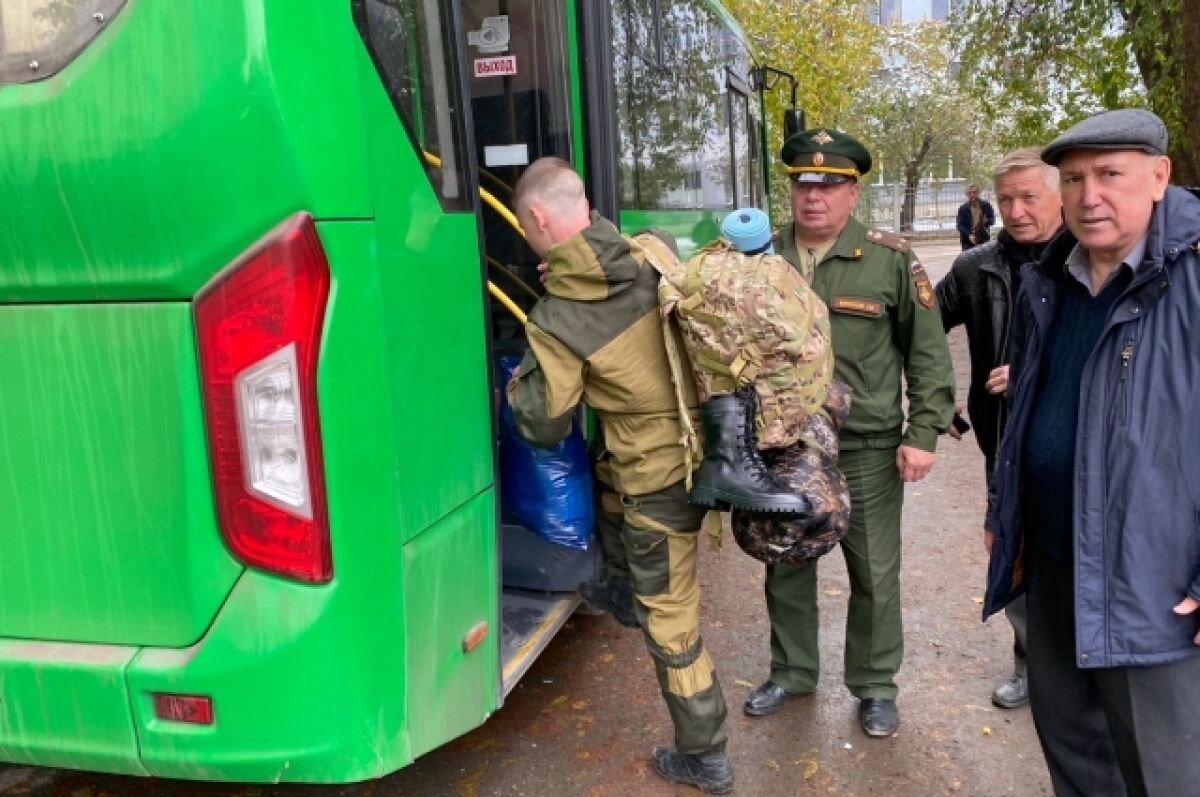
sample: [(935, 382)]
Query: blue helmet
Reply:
[(749, 230)]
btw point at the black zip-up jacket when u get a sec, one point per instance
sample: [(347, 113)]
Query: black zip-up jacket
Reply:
[(978, 293)]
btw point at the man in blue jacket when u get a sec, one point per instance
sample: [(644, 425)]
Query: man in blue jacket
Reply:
[(1095, 502)]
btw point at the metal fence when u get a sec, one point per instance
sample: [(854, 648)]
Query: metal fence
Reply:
[(935, 205)]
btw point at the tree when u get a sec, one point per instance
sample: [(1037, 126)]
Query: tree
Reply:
[(830, 47), (1038, 67), (916, 115)]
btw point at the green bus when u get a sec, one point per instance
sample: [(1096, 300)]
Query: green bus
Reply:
[(249, 516)]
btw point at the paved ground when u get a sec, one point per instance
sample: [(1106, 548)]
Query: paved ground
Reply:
[(584, 719)]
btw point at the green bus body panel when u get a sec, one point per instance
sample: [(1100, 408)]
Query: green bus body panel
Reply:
[(433, 316), (300, 698), (179, 137), (79, 717), (109, 533), (451, 575)]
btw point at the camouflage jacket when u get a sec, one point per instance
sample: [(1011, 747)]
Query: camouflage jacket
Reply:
[(753, 320), (597, 336), (886, 326)]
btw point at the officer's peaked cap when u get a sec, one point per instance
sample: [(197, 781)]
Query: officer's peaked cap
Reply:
[(825, 155)]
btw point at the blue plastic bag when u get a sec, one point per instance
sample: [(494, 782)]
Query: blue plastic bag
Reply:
[(546, 490)]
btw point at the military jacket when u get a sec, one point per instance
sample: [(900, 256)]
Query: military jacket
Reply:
[(886, 325), (597, 336)]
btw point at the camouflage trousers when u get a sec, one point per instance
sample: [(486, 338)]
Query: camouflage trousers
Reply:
[(610, 517), (657, 548)]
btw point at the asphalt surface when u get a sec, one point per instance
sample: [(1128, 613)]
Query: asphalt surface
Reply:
[(584, 719)]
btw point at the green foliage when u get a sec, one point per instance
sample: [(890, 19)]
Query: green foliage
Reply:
[(1038, 67), (831, 48), (916, 118)]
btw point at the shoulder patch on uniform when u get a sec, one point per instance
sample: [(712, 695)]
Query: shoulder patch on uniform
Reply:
[(890, 240), (921, 282)]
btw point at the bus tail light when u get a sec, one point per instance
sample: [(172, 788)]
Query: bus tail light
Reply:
[(192, 709), (258, 330)]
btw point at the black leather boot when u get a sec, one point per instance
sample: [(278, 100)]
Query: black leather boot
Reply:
[(709, 772), (733, 473)]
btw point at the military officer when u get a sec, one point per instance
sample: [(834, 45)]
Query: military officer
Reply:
[(885, 323)]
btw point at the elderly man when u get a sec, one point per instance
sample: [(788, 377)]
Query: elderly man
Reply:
[(885, 326), (597, 336), (1097, 483), (978, 294)]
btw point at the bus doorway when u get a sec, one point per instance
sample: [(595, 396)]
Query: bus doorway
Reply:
[(516, 64)]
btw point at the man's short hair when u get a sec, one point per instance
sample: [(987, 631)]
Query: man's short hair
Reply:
[(1027, 158), (551, 183)]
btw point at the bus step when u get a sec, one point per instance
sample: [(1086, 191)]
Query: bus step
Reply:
[(528, 621)]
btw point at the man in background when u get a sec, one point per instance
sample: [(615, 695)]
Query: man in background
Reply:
[(975, 219)]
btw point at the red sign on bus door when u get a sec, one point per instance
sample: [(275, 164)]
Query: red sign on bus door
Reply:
[(494, 67)]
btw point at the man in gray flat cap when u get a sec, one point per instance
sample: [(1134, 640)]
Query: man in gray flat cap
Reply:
[(1094, 509)]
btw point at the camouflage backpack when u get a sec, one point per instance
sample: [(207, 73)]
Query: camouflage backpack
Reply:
[(749, 320), (754, 320)]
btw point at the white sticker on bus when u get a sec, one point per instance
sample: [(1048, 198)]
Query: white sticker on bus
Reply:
[(510, 155), (493, 67)]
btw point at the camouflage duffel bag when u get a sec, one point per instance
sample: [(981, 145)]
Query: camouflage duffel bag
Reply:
[(809, 467)]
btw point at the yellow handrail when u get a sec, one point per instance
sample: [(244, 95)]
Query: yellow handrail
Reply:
[(524, 285), (502, 297), (508, 216)]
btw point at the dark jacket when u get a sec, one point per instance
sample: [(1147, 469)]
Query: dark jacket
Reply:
[(977, 293), (963, 223), (1137, 459)]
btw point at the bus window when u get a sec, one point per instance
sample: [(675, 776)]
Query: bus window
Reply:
[(673, 120), (739, 136), (516, 63), (39, 37), (413, 46)]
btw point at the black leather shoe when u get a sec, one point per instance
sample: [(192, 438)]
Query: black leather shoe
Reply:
[(767, 699), (711, 772), (878, 716)]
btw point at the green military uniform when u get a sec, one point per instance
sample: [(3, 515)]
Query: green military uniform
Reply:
[(597, 336), (885, 325)]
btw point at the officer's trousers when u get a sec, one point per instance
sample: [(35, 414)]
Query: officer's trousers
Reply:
[(660, 533), (871, 547)]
